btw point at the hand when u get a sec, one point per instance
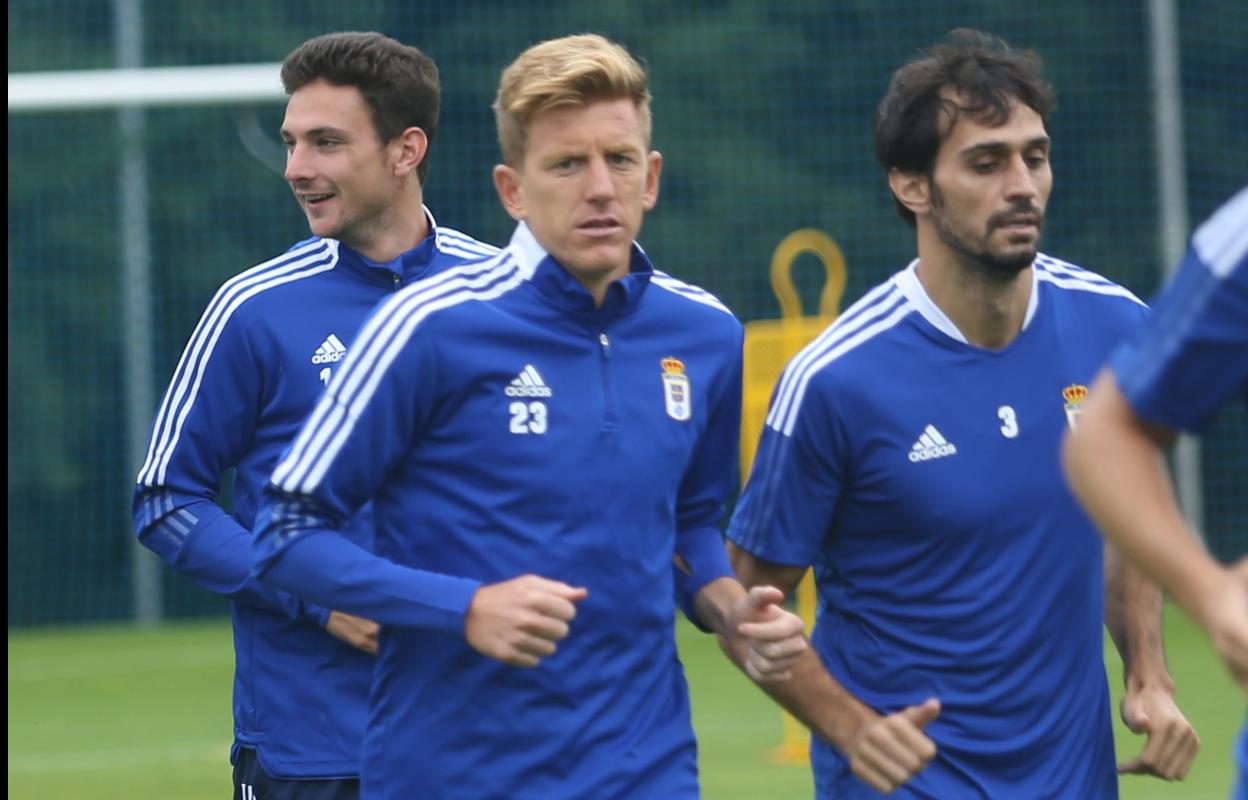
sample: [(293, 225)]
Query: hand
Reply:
[(1172, 742), (519, 621), (775, 636), (355, 631), (889, 751), (1225, 616)]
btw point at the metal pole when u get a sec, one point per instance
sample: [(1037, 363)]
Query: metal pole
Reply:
[(1172, 209), (136, 298)]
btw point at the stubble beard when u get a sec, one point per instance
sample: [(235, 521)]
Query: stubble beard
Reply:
[(977, 252), (360, 230)]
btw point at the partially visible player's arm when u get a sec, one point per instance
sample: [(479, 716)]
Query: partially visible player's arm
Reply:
[(699, 558), (204, 427), (754, 629), (884, 751), (516, 622), (334, 571), (1133, 497), (765, 637), (1116, 470), (204, 543)]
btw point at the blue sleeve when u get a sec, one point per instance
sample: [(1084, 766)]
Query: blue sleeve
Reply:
[(1193, 357), (704, 490), (204, 426), (374, 408), (786, 509), (336, 572)]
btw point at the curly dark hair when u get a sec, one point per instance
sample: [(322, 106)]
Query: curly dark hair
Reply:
[(985, 75)]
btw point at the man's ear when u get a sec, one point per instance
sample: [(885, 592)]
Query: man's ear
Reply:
[(912, 190), (654, 168), (510, 191), (410, 147)]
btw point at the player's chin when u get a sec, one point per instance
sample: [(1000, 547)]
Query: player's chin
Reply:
[(601, 259), (1017, 255), (324, 228)]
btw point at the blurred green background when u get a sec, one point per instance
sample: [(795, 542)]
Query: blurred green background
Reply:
[(762, 110)]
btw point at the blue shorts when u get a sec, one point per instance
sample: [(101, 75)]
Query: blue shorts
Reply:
[(250, 783)]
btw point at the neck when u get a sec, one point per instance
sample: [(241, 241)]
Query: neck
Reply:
[(988, 309), (404, 227), (597, 285)]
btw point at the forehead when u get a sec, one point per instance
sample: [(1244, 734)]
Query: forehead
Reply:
[(602, 122), (1019, 130), (323, 105)]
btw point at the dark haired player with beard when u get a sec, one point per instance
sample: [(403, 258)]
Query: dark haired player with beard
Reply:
[(911, 455)]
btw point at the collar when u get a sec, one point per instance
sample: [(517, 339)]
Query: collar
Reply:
[(557, 286), (908, 282), (406, 267)]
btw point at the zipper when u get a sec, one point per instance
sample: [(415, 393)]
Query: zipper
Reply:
[(609, 421)]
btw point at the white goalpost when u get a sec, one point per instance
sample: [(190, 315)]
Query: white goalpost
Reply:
[(129, 91), (102, 89)]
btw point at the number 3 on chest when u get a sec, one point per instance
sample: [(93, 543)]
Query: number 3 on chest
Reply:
[(1009, 422)]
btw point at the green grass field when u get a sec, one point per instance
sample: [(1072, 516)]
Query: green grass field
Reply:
[(122, 713)]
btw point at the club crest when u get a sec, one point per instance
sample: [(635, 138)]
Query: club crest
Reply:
[(676, 397), (1074, 395)]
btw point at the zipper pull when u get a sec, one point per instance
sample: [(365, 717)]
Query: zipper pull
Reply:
[(605, 343)]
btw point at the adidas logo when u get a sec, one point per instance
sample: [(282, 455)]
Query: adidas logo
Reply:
[(331, 350), (528, 384), (931, 445)]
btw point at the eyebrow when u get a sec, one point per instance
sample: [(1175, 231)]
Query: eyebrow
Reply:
[(999, 146), (315, 132)]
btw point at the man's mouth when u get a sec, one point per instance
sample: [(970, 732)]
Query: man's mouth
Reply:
[(1020, 223), (599, 226)]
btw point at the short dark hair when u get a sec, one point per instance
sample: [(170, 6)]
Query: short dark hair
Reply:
[(985, 73), (398, 82)]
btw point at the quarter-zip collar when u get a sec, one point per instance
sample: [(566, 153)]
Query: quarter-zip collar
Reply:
[(409, 266), (560, 289)]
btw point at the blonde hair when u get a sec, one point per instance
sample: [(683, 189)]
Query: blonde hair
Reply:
[(568, 72)]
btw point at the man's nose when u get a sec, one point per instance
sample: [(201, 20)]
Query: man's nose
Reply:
[(298, 166), (599, 185), (1021, 180)]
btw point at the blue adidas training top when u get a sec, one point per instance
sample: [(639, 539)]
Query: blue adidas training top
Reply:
[(919, 475), (1193, 358), (503, 425), (253, 369)]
